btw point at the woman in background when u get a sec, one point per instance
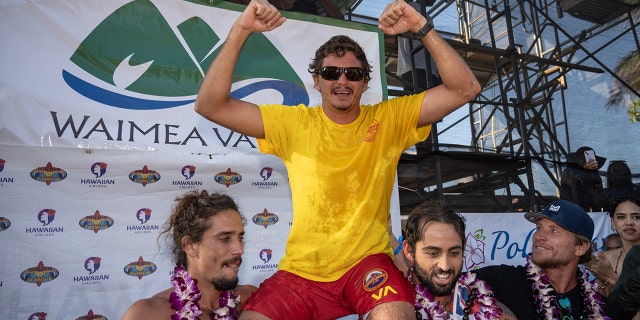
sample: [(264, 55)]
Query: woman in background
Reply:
[(625, 220)]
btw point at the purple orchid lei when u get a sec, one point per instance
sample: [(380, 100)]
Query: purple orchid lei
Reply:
[(185, 296), (546, 301), (484, 301)]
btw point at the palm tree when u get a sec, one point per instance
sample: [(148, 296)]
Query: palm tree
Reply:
[(628, 70)]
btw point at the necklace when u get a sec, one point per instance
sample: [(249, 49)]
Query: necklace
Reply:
[(618, 260), (546, 300), (481, 304), (185, 296)]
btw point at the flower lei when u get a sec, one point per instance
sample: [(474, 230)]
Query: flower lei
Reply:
[(545, 300), (481, 300), (185, 296)]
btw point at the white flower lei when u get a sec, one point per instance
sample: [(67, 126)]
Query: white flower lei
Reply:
[(546, 301), (184, 299), (484, 303)]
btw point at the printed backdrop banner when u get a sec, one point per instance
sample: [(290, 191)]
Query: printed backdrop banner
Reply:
[(80, 230), (98, 136), (124, 74)]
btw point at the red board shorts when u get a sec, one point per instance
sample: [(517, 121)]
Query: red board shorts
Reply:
[(372, 281)]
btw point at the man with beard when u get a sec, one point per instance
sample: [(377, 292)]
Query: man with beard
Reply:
[(434, 248), (207, 232), (552, 285)]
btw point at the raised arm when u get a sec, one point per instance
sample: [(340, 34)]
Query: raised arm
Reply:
[(459, 85), (214, 101)]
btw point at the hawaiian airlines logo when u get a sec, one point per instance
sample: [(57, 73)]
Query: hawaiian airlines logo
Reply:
[(140, 268), (48, 174), (98, 169), (474, 250), (121, 64), (372, 131), (144, 176), (91, 316), (227, 177), (4, 223), (265, 174), (46, 216), (37, 316), (96, 222), (265, 218), (188, 171), (265, 255), (4, 180), (92, 264), (39, 274), (143, 215)]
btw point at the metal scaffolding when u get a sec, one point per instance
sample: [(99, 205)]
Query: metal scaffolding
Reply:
[(521, 54)]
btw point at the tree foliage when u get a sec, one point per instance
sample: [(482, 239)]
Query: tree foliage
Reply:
[(628, 69)]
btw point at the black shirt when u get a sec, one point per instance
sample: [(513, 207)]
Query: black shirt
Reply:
[(511, 287)]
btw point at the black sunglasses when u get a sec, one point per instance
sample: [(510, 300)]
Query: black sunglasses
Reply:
[(333, 73)]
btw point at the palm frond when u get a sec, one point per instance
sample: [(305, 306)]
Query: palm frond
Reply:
[(628, 69)]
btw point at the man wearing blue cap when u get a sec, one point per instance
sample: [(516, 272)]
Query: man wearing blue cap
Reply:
[(551, 285)]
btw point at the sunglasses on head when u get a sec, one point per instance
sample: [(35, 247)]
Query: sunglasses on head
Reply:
[(333, 73)]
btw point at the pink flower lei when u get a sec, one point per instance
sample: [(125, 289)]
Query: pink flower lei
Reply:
[(480, 298), (545, 300), (185, 296)]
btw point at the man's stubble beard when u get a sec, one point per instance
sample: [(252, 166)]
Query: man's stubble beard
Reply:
[(436, 289)]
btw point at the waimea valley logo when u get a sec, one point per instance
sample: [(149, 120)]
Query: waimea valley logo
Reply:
[(121, 64)]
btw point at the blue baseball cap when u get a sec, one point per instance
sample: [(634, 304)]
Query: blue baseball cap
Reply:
[(568, 215)]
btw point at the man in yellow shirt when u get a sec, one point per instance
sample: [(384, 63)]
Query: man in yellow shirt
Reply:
[(341, 159)]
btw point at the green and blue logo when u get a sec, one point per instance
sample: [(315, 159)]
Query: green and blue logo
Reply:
[(135, 60)]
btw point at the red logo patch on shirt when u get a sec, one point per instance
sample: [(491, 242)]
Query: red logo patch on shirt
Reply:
[(372, 131), (374, 279)]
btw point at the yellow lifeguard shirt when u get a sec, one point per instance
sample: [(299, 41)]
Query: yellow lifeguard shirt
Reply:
[(341, 179)]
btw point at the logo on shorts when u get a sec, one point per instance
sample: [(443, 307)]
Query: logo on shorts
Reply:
[(374, 279)]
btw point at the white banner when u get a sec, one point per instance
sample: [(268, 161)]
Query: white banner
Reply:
[(98, 136), (505, 238), (79, 227)]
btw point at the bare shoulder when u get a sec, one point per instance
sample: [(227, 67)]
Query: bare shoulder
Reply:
[(507, 314), (244, 292), (156, 307)]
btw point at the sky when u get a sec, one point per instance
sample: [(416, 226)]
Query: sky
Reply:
[(589, 122)]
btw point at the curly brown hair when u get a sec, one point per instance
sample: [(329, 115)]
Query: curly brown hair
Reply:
[(339, 46), (190, 217)]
